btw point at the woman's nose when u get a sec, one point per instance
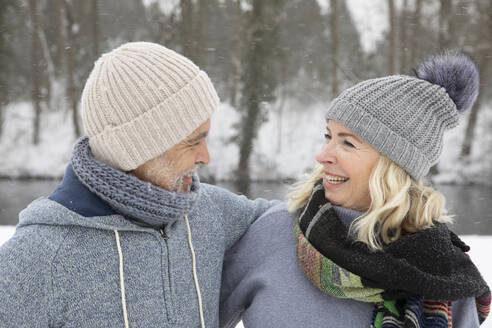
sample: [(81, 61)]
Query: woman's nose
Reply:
[(327, 154)]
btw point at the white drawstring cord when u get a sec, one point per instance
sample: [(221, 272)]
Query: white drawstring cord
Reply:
[(193, 258), (197, 286), (122, 279)]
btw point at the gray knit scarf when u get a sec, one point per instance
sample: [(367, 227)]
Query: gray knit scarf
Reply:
[(126, 194)]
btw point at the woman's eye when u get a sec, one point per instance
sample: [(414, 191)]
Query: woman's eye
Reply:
[(327, 136), (348, 143)]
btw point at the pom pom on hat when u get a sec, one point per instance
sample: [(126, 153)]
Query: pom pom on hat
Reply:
[(455, 72)]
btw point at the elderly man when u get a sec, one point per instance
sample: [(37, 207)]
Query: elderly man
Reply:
[(130, 238)]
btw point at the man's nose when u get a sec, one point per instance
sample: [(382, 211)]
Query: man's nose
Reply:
[(203, 156)]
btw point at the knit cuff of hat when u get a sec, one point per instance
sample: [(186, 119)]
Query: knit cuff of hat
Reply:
[(149, 135), (374, 132)]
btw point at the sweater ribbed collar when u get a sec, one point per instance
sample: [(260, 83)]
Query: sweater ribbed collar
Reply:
[(346, 215), (129, 196)]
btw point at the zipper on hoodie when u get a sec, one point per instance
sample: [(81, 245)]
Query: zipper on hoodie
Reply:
[(169, 299), (161, 230), (163, 234)]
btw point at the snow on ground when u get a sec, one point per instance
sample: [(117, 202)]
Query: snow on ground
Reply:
[(479, 253), (287, 143), (20, 158), (285, 148), (5, 233), (478, 168)]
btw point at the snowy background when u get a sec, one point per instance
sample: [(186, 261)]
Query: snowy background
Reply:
[(290, 131), (285, 147), (291, 125)]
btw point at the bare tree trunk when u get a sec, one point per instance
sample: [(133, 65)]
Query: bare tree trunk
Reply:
[(3, 103), (187, 28), (46, 67), (201, 28), (415, 33), (70, 55), (60, 36), (165, 31), (236, 55), (445, 19), (284, 63), (235, 77), (483, 52), (36, 69), (48, 79), (5, 53), (335, 36), (2, 116), (391, 37), (403, 38), (252, 91), (95, 28), (466, 147)]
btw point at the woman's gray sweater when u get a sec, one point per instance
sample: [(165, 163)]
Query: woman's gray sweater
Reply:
[(263, 285)]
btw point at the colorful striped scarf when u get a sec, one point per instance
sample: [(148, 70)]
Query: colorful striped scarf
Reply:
[(393, 307)]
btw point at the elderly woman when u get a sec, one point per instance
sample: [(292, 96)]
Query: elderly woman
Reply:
[(364, 243)]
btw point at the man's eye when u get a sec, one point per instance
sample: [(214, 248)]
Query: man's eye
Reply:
[(348, 143)]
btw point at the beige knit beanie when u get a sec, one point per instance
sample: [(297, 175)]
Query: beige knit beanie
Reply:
[(140, 100)]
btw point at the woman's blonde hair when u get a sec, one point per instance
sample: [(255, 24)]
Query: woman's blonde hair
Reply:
[(398, 204)]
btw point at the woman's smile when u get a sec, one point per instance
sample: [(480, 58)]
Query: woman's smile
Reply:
[(333, 181)]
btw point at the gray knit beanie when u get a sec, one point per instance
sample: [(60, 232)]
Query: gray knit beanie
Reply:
[(404, 117), (140, 100)]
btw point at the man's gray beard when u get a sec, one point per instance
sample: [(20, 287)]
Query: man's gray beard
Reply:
[(165, 170), (178, 183)]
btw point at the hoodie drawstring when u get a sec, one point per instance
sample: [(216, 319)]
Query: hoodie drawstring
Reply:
[(195, 277), (197, 286), (122, 279)]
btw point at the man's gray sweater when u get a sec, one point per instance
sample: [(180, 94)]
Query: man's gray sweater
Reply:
[(76, 264)]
